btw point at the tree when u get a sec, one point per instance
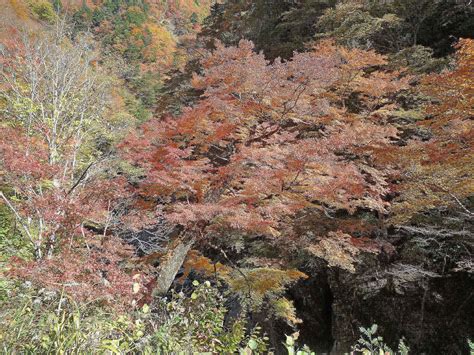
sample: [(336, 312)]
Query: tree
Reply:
[(233, 20), (52, 171), (51, 90), (297, 26), (269, 142), (354, 24), (415, 13), (391, 26), (436, 172)]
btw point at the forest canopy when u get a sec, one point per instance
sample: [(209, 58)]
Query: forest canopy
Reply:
[(188, 176)]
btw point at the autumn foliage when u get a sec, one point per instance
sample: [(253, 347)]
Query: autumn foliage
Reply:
[(88, 274), (438, 172), (154, 162), (269, 142), (54, 182)]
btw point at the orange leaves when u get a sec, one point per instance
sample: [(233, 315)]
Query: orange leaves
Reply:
[(222, 131), (200, 264), (359, 72), (454, 108), (379, 85), (20, 8), (270, 139), (437, 170), (162, 47), (454, 90), (352, 58), (261, 282)]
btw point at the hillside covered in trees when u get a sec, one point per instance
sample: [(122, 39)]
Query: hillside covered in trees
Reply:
[(236, 176)]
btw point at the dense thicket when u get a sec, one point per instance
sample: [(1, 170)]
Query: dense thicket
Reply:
[(169, 186), (279, 28)]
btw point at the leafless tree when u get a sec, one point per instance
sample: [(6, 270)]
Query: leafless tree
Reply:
[(54, 90)]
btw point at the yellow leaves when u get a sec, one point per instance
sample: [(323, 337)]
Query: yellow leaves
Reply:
[(261, 282), (428, 186), (163, 45), (42, 9), (337, 250), (285, 309), (204, 266), (250, 284), (134, 10), (20, 8), (180, 9), (190, 7)]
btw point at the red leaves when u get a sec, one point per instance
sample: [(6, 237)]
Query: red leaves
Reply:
[(89, 274), (268, 140), (51, 204), (20, 155), (436, 172)]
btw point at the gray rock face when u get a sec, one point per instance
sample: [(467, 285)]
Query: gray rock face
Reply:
[(424, 293)]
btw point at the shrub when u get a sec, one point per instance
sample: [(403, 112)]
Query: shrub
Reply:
[(197, 324), (370, 343), (42, 321), (43, 10), (45, 321)]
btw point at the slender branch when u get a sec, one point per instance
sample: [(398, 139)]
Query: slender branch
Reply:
[(18, 217), (247, 281), (83, 175), (471, 214), (263, 136)]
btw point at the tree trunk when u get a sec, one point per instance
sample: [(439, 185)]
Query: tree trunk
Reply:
[(170, 266)]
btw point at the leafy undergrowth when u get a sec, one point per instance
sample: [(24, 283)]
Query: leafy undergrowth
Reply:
[(41, 321)]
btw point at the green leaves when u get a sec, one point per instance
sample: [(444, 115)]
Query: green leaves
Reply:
[(291, 348), (252, 344), (370, 343), (197, 322)]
